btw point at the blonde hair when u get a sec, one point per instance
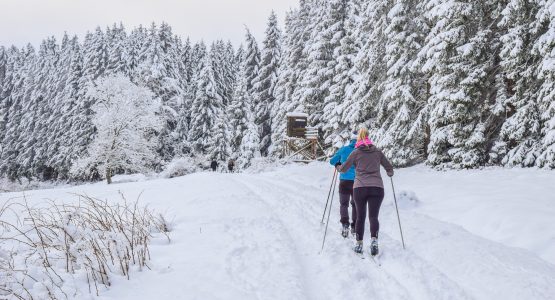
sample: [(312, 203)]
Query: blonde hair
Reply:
[(362, 134)]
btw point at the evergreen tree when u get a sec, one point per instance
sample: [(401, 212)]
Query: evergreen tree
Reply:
[(249, 148), (264, 83), (239, 108), (341, 17), (545, 46), (289, 74), (459, 56), (517, 87), (362, 97), (118, 52), (316, 79), (244, 136), (158, 72), (206, 109), (252, 59), (403, 99)]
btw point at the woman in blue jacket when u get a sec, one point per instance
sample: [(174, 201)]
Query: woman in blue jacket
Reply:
[(346, 181)]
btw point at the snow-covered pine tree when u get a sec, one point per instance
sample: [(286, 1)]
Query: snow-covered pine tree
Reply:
[(187, 62), (118, 56), (79, 128), (289, 73), (3, 62), (7, 72), (518, 87), (58, 119), (362, 97), (39, 106), (126, 118), (238, 64), (218, 146), (206, 109), (264, 83), (545, 47), (197, 56), (95, 55), (252, 59), (244, 135), (238, 109), (341, 16), (250, 144), (230, 67), (316, 79), (402, 134), (3, 102), (185, 69), (458, 53), (157, 72), (222, 60), (134, 44), (14, 163)]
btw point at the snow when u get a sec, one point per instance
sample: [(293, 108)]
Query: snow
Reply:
[(297, 115), (481, 234)]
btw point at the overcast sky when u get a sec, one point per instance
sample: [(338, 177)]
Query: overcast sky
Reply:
[(23, 21)]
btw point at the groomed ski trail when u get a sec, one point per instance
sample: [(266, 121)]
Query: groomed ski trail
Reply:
[(443, 261), (339, 272)]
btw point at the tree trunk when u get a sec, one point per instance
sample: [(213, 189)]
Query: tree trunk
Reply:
[(108, 175)]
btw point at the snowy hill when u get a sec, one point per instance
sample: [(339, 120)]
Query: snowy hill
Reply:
[(487, 234)]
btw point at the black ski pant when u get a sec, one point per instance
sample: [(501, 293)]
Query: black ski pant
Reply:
[(371, 197), (346, 197)]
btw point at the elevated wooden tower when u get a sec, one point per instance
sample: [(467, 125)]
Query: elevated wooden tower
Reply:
[(302, 142)]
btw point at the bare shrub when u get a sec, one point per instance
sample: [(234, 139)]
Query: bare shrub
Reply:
[(46, 250)]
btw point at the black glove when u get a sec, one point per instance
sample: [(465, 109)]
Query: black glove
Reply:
[(338, 164)]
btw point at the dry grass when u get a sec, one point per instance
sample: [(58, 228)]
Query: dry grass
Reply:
[(42, 247)]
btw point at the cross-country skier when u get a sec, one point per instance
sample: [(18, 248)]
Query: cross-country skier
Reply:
[(214, 165), (230, 165), (368, 187), (346, 181)]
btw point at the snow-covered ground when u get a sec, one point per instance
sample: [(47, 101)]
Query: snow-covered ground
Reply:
[(487, 234)]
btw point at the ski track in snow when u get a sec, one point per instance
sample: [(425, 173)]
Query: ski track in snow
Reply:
[(424, 281), (258, 236)]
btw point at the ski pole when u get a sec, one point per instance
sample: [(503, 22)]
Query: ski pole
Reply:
[(328, 221), (329, 193), (397, 209)]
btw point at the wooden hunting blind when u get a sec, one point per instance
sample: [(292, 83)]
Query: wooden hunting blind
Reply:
[(301, 143), (296, 125)]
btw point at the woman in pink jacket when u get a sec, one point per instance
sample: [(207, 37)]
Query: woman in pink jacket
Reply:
[(368, 187)]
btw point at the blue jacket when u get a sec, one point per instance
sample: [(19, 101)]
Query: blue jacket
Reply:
[(341, 156)]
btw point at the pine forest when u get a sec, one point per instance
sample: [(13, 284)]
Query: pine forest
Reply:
[(450, 83)]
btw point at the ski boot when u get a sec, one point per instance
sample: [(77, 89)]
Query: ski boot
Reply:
[(345, 231), (358, 247), (374, 250)]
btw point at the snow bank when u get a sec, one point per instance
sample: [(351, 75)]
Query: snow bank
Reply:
[(179, 167), (515, 207), (264, 164), (7, 186)]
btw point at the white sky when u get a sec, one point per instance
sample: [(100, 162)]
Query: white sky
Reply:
[(24, 21)]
